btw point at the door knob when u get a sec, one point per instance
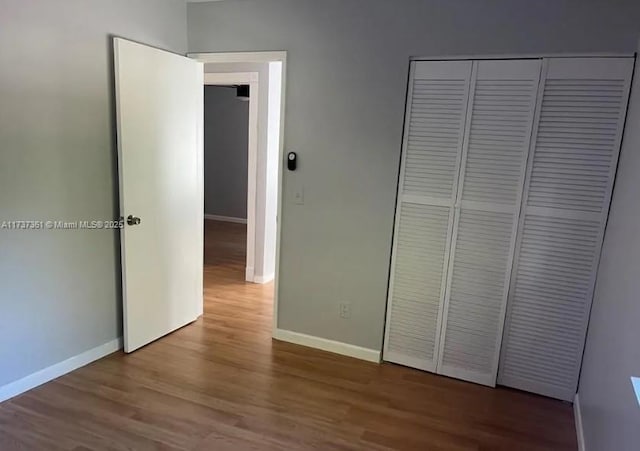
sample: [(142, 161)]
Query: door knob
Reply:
[(133, 220)]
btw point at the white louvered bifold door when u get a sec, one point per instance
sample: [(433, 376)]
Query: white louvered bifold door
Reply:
[(566, 202), (500, 117), (432, 145)]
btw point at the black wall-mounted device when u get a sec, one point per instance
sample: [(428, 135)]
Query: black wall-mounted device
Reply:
[(242, 92), (292, 160)]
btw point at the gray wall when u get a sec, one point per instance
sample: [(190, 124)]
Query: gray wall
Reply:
[(346, 82), (226, 139), (610, 411), (60, 290)]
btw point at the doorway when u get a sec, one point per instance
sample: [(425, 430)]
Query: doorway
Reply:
[(160, 166), (253, 83), (232, 138), (227, 127)]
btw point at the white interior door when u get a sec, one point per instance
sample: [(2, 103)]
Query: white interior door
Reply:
[(159, 103)]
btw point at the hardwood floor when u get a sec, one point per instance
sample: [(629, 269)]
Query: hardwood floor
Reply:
[(223, 384)]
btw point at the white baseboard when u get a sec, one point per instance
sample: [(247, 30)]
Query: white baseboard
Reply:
[(263, 279), (577, 414), (337, 347), (225, 218), (248, 273), (54, 371)]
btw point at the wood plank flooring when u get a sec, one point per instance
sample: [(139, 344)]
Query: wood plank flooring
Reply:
[(223, 384)]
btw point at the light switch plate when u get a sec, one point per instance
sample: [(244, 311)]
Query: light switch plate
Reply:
[(298, 194)]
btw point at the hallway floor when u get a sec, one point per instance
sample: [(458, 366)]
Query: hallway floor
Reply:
[(221, 383)]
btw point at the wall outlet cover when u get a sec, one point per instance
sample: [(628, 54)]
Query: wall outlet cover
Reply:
[(345, 310)]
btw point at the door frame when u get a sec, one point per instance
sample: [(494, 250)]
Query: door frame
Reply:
[(251, 79), (263, 57)]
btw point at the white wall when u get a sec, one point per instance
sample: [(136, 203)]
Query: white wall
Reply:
[(60, 292), (346, 81), (610, 411)]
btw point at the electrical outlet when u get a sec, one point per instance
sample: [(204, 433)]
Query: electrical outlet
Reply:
[(345, 310)]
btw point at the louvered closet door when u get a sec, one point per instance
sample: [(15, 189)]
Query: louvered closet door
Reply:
[(432, 145), (570, 178), (501, 111)]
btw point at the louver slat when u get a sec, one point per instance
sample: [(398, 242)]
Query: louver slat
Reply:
[(420, 258), (434, 136), (436, 111), (503, 105), (565, 208)]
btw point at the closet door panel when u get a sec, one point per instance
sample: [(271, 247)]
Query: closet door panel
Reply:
[(500, 129), (475, 302), (419, 266), (570, 178), (435, 125), (501, 111), (432, 145)]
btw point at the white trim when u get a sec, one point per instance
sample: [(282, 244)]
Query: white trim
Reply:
[(264, 278), (337, 347), (200, 171), (508, 56), (249, 273), (262, 57), (283, 98), (230, 78), (240, 57), (252, 173), (225, 218), (56, 370), (577, 414)]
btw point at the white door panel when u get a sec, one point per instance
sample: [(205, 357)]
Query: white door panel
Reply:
[(570, 177), (159, 97), (501, 109), (435, 121), (505, 182)]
